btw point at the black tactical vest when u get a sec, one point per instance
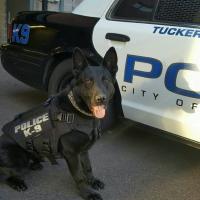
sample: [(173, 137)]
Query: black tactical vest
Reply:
[(39, 129)]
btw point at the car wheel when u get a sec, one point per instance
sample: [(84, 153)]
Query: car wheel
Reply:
[(60, 77)]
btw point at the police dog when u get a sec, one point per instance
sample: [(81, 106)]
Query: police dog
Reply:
[(88, 96)]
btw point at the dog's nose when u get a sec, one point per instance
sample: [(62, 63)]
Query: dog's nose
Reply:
[(100, 98)]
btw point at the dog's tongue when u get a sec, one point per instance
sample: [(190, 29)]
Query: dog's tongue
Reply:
[(99, 111)]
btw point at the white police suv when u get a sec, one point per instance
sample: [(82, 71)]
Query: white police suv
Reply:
[(158, 47)]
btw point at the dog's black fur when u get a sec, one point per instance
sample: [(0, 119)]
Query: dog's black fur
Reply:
[(92, 85)]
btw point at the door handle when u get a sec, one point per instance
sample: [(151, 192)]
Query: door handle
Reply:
[(117, 37)]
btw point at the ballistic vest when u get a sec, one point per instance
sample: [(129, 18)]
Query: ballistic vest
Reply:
[(38, 130)]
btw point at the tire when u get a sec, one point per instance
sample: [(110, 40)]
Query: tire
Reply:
[(60, 77)]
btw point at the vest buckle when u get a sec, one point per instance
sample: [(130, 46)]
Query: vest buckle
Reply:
[(66, 117)]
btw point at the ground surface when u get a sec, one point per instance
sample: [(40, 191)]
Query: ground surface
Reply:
[(133, 163)]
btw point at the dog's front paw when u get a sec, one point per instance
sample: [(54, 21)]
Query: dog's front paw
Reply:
[(16, 183), (88, 194), (96, 184)]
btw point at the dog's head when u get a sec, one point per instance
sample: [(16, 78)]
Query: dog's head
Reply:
[(94, 84)]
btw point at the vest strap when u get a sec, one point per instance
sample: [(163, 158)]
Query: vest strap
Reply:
[(64, 117)]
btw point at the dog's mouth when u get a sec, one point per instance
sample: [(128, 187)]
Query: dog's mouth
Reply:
[(99, 111)]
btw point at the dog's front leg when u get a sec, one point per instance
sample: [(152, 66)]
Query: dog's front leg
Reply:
[(74, 163), (87, 169)]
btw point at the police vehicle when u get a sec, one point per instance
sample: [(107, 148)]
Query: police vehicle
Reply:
[(157, 42)]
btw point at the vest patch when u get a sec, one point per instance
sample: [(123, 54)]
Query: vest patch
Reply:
[(32, 126)]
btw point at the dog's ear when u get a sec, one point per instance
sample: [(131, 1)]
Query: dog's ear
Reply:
[(79, 61), (110, 61)]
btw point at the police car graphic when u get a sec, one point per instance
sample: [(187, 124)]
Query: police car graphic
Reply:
[(157, 42)]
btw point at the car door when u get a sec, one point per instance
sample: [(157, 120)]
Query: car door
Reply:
[(158, 45)]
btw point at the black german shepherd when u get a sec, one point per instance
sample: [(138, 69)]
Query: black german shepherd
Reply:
[(91, 90)]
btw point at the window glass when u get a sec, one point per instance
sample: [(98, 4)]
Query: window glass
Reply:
[(53, 5), (36, 5), (181, 11), (134, 9)]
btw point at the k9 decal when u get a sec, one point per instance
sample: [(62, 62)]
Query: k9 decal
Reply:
[(30, 131), (32, 126), (20, 33)]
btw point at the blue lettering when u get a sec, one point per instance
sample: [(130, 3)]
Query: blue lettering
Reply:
[(196, 33), (155, 72), (172, 31), (163, 30), (25, 30), (171, 76), (176, 31), (20, 33), (189, 33), (156, 28), (15, 33), (180, 32)]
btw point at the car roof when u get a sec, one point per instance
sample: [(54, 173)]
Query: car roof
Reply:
[(92, 8)]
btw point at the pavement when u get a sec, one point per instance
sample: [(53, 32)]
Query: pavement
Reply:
[(133, 163)]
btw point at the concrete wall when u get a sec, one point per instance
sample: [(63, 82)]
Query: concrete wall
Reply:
[(15, 6), (3, 30), (67, 5)]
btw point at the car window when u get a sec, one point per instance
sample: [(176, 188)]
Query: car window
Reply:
[(167, 11), (134, 10), (180, 11)]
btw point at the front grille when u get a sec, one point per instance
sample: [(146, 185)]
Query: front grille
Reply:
[(183, 11)]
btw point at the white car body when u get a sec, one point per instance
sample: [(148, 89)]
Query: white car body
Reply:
[(149, 100)]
